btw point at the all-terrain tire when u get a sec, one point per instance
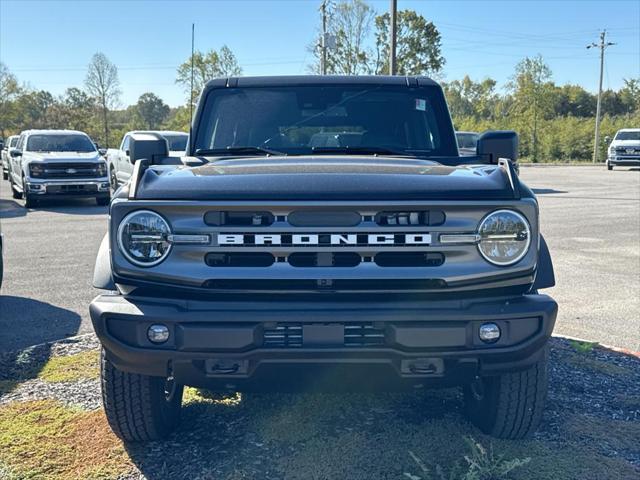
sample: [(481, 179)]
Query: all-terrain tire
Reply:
[(509, 405), (137, 407)]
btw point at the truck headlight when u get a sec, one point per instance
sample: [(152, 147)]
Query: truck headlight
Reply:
[(505, 237), (102, 169), (36, 170), (142, 238)]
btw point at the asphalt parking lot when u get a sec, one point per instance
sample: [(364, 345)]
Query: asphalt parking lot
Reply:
[(590, 218)]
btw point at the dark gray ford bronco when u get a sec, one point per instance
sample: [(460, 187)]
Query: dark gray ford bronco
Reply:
[(323, 234)]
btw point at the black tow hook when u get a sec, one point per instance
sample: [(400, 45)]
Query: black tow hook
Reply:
[(225, 367)]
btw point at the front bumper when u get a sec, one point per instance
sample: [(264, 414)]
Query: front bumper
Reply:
[(96, 187), (221, 344), (624, 161)]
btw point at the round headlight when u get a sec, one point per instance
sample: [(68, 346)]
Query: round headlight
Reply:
[(142, 238), (505, 237)]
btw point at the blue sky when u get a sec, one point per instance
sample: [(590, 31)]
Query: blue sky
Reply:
[(49, 43)]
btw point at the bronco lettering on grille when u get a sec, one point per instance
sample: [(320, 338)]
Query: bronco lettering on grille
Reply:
[(323, 239)]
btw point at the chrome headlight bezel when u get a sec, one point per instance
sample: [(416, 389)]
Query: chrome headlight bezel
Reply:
[(124, 222), (527, 245)]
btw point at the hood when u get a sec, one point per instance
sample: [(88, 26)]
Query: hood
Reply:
[(324, 178), (64, 156), (625, 143)]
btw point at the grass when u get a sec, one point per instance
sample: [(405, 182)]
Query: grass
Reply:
[(582, 347), (46, 440), (72, 368)]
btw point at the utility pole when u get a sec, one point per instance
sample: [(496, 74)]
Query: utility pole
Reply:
[(602, 46), (392, 38), (323, 41)]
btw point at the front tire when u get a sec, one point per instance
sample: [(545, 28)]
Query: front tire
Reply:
[(5, 175), (113, 179), (29, 201), (510, 405), (139, 408), (609, 166)]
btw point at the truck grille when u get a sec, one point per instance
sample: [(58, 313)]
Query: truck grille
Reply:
[(71, 170), (364, 334)]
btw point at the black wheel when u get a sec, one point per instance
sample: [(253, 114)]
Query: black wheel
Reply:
[(609, 166), (29, 201), (509, 405), (113, 180), (14, 191), (5, 175), (103, 200), (139, 408)]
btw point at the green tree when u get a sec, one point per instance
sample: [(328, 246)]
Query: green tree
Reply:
[(207, 66), (152, 110), (9, 91), (630, 94), (103, 85), (532, 99), (349, 24), (467, 98), (418, 47), (79, 109)]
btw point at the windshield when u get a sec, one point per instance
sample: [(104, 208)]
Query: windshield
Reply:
[(60, 143), (177, 143), (634, 135), (467, 140), (13, 142), (300, 120)]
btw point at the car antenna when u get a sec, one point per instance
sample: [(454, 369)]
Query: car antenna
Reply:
[(193, 28)]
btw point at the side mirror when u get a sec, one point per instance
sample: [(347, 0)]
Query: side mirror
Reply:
[(607, 139), (496, 144), (15, 153), (151, 146), (102, 151)]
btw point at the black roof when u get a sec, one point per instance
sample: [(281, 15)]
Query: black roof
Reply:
[(292, 80)]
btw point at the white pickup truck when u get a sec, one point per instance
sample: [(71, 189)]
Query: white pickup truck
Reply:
[(57, 164), (120, 165)]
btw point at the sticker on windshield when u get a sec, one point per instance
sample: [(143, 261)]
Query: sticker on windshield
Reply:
[(421, 104)]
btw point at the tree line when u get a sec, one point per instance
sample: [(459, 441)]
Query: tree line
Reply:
[(555, 122)]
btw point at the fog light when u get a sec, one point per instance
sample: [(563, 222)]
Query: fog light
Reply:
[(158, 333), (489, 332)]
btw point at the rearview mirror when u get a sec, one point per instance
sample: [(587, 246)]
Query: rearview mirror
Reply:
[(151, 146), (496, 144), (15, 153)]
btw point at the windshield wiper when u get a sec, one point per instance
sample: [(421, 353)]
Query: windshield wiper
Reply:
[(361, 150), (237, 151)]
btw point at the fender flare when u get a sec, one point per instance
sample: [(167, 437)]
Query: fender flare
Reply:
[(102, 276), (545, 276)]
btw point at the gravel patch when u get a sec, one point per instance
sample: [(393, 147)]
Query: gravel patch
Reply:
[(83, 394)]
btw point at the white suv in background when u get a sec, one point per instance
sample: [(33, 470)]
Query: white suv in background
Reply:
[(624, 150), (57, 163)]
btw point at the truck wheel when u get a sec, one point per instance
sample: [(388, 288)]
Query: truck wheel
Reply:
[(5, 175), (139, 408), (609, 166), (113, 180), (509, 405), (29, 201)]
